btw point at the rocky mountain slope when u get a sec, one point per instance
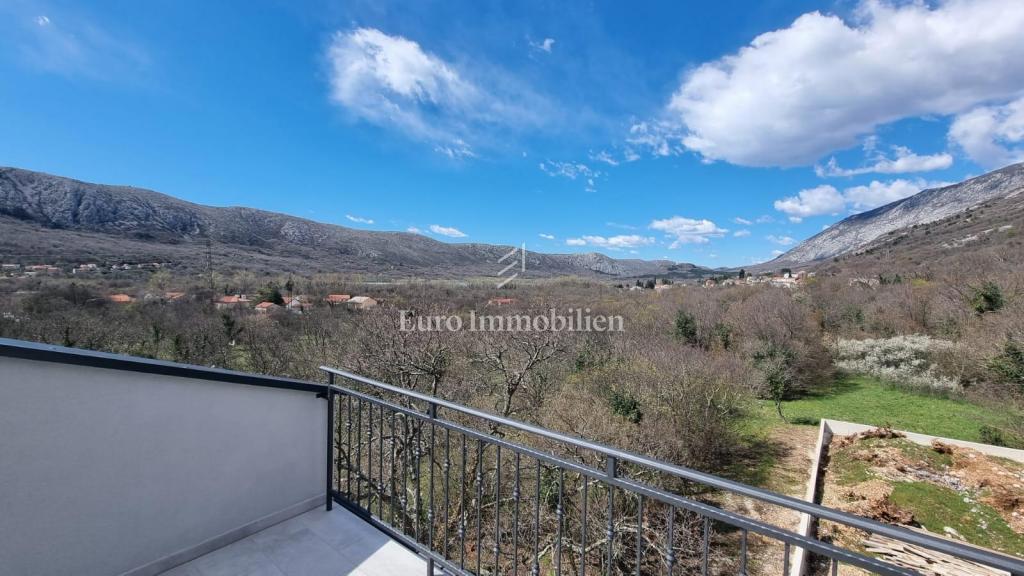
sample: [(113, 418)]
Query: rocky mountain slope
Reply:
[(860, 230), (46, 218)]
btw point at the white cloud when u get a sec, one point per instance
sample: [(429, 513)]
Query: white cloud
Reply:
[(43, 20), (604, 156), (613, 242), (777, 252), (795, 94), (447, 231), (875, 194), (781, 240), (824, 199), (414, 230), (741, 233), (392, 81), (742, 221), (618, 225), (547, 236), (904, 160), (570, 170), (544, 45), (359, 219), (992, 136), (688, 230)]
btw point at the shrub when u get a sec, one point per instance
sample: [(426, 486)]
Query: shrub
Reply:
[(987, 298), (686, 327), (991, 435), (901, 360), (626, 405), (1009, 365)]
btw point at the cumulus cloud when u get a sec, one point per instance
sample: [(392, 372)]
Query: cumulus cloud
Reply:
[(613, 242), (447, 231), (547, 236), (741, 233), (795, 94), (904, 160), (392, 81), (414, 230), (742, 221), (824, 199), (781, 240), (359, 219), (992, 136), (875, 194), (688, 230)]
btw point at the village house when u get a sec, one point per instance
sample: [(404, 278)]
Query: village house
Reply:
[(335, 299), (41, 270), (662, 287), (121, 298), (267, 308), (171, 296), (361, 302), (501, 301), (296, 304), (234, 301), (85, 269)]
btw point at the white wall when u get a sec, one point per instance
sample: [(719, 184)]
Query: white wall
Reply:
[(106, 471)]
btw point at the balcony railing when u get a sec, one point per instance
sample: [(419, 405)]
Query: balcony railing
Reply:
[(476, 493)]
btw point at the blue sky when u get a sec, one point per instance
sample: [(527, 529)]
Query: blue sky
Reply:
[(715, 133)]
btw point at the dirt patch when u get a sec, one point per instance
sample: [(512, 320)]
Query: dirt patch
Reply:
[(955, 492)]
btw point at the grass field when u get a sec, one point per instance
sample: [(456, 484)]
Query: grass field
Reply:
[(865, 400)]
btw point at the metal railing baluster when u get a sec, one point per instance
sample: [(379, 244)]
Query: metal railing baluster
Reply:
[(497, 510), (583, 532), (785, 559), (462, 508), (535, 570), (329, 504), (670, 557), (705, 547), (380, 466), (560, 515), (394, 455), (639, 533), (430, 482), (743, 553), (348, 449), (515, 521), (479, 501), (369, 458), (447, 483), (359, 453), (609, 532)]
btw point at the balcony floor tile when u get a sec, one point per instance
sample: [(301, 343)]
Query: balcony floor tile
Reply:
[(316, 543)]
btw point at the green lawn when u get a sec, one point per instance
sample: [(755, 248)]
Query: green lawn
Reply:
[(865, 400)]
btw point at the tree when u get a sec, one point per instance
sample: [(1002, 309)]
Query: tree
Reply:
[(686, 327), (271, 293), (650, 284), (743, 273), (289, 286), (987, 298)]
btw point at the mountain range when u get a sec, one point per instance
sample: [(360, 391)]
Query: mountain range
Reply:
[(860, 231), (52, 219)]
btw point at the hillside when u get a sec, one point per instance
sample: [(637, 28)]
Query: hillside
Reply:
[(860, 231), (46, 218)]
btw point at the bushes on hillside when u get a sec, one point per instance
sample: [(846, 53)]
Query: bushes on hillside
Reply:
[(909, 361)]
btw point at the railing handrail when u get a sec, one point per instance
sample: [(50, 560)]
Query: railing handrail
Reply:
[(966, 551)]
